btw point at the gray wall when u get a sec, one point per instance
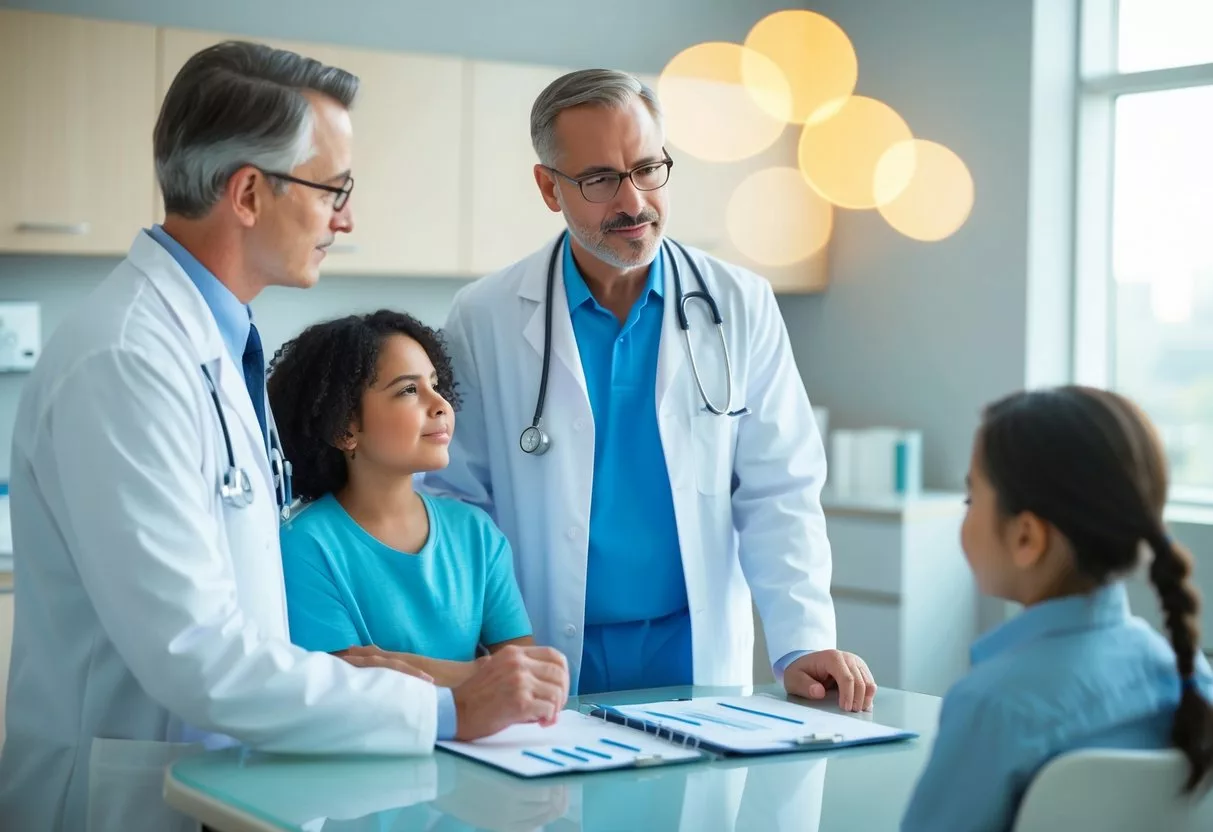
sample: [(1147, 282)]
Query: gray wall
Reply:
[(920, 335)]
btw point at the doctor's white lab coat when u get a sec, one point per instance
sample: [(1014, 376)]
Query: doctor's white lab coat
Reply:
[(746, 488), (150, 615)]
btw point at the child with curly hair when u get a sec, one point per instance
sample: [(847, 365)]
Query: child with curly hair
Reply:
[(363, 403)]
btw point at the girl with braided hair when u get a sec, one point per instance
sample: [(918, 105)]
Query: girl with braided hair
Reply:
[(375, 570), (1066, 492)]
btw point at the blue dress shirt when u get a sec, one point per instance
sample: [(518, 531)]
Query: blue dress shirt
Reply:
[(235, 322), (1071, 673)]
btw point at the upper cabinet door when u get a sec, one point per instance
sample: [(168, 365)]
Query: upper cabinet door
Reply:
[(506, 216), (408, 151), (76, 135)]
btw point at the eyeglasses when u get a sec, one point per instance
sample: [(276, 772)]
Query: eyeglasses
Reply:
[(602, 186), (342, 191)]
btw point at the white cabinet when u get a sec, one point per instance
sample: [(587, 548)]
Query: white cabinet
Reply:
[(408, 172), (78, 100), (443, 164), (904, 597)]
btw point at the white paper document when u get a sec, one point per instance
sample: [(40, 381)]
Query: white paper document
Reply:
[(752, 724), (576, 743)]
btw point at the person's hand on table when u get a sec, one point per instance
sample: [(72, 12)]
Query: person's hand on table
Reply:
[(812, 675)]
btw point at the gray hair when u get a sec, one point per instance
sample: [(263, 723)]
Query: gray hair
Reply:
[(596, 87), (236, 104)]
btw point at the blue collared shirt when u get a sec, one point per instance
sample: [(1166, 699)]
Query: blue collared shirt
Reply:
[(635, 567), (1071, 673), (231, 316), (637, 625), (234, 320)]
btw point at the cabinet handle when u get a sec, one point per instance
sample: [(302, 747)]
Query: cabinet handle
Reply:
[(343, 248), (75, 229)]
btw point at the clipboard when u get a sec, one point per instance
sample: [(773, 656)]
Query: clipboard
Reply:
[(577, 743), (749, 725)]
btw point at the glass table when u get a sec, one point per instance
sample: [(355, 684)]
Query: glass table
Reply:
[(862, 789)]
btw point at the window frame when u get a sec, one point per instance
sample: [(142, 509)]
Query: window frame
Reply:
[(1100, 83)]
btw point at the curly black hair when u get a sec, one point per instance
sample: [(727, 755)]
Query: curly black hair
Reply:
[(315, 385)]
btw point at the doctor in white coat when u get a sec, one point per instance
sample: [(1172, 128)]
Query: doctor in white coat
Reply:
[(649, 488), (150, 612)]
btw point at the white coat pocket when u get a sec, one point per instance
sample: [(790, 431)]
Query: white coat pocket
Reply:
[(713, 449), (126, 786)]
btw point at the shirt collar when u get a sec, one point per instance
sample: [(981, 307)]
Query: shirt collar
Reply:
[(232, 317), (578, 292), (1104, 607)]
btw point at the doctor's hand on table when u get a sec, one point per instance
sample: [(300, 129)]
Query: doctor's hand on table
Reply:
[(812, 675), (514, 685)]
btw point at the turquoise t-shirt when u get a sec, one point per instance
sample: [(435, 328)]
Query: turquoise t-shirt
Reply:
[(345, 588)]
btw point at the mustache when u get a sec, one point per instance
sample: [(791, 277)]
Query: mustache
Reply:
[(626, 221)]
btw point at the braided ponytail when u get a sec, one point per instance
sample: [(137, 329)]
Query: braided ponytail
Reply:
[(1089, 463), (1192, 731)]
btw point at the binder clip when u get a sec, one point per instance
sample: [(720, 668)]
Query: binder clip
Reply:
[(647, 760), (812, 740)]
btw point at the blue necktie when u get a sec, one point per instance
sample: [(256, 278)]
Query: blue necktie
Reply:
[(254, 376)]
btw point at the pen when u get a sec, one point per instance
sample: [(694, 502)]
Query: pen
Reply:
[(535, 756), (760, 713)]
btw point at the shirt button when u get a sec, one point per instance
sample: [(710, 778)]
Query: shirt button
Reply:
[(570, 630), (579, 425), (571, 534)]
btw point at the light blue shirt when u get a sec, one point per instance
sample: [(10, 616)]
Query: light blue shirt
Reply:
[(345, 588), (1077, 672), (232, 317)]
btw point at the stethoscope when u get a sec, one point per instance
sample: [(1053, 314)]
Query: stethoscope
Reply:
[(534, 439), (236, 487)]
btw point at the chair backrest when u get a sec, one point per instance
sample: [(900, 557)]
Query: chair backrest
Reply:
[(1111, 790)]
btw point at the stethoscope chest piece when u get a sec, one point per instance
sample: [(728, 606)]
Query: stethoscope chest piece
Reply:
[(236, 488), (534, 440)]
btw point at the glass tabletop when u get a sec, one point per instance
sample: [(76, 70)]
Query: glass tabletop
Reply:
[(845, 790)]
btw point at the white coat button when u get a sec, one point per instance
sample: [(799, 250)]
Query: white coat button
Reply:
[(570, 630), (571, 534), (579, 425)]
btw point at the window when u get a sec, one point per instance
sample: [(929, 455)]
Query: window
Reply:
[(1144, 302)]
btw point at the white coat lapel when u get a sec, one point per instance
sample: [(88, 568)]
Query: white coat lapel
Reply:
[(186, 303), (671, 354), (564, 343)]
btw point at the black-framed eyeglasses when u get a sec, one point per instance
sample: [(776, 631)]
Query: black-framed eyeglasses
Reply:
[(342, 191), (603, 185)]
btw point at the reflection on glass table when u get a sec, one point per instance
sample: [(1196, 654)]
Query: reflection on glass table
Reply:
[(843, 790)]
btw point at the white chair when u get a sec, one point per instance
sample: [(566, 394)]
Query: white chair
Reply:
[(1111, 790)]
